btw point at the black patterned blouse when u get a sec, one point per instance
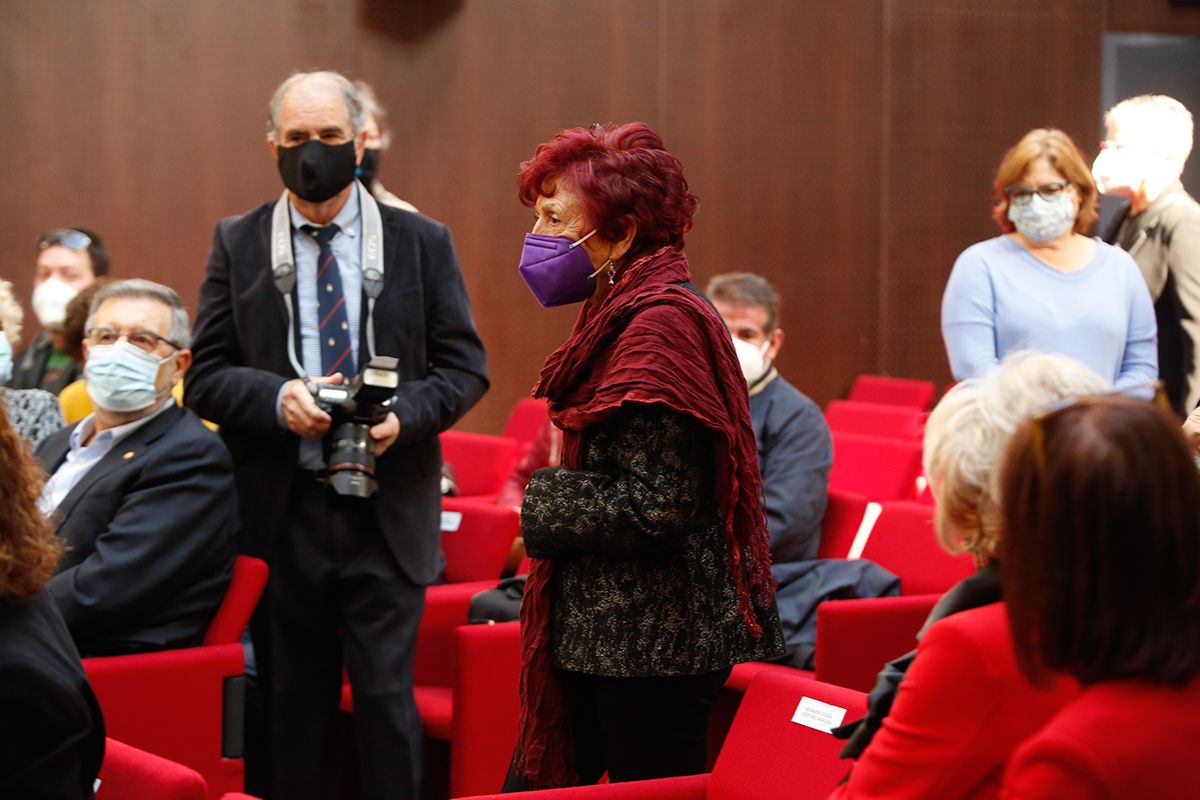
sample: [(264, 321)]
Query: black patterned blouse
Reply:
[(34, 414), (641, 583)]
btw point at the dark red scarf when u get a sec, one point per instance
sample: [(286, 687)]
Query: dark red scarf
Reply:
[(679, 357)]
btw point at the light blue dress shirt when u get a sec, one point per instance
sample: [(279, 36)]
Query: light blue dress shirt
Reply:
[(347, 247)]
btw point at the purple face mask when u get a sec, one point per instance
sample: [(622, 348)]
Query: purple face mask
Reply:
[(557, 270)]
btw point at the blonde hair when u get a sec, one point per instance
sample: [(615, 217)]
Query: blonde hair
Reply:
[(968, 429), (11, 314)]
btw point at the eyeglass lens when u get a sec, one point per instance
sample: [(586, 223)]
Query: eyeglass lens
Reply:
[(1020, 195), (142, 340)]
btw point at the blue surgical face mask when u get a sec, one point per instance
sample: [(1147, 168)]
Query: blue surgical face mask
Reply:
[(120, 377), (6, 359)]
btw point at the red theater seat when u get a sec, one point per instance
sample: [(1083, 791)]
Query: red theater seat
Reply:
[(477, 538), (876, 419), (174, 703), (908, 392), (881, 469), (766, 755), (527, 418), (480, 462), (844, 513), (132, 774), (903, 542)]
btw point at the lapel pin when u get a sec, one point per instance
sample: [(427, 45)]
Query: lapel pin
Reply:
[(128, 455)]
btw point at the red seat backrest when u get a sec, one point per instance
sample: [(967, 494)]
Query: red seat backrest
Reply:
[(132, 774), (478, 549), (881, 469), (241, 597), (903, 541), (527, 418), (767, 755), (843, 514), (910, 392), (876, 419), (480, 462)]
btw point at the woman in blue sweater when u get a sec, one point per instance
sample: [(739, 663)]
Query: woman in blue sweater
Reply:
[(1042, 284)]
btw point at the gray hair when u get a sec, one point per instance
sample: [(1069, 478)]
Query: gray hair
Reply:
[(966, 433), (11, 313), (1155, 123), (354, 106), (747, 289), (140, 288), (372, 108)]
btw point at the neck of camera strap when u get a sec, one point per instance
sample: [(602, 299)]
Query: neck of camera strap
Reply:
[(283, 264)]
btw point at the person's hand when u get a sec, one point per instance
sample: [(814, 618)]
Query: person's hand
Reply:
[(301, 413), (1191, 430), (385, 433)]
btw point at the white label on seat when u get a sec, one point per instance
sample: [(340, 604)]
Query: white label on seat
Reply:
[(817, 715), (450, 521)]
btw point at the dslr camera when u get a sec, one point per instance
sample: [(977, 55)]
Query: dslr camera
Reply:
[(356, 406)]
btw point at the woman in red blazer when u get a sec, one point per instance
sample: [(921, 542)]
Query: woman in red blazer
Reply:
[(1101, 504), (963, 705)]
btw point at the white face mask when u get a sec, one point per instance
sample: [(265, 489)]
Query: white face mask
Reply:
[(50, 300), (753, 359), (1042, 220), (121, 378)]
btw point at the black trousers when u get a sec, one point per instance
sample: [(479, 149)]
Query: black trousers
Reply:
[(335, 589), (638, 728)]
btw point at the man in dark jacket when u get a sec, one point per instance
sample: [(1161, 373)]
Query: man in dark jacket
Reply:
[(300, 292), (140, 491)]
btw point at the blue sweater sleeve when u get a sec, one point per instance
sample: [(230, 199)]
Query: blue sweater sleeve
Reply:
[(1139, 364), (969, 317)]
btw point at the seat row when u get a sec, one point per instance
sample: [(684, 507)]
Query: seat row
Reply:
[(184, 705)]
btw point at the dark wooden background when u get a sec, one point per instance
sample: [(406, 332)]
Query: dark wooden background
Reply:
[(842, 148)]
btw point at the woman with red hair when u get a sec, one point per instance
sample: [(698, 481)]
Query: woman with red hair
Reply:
[(54, 733), (651, 575)]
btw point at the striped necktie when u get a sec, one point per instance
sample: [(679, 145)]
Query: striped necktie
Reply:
[(333, 327)]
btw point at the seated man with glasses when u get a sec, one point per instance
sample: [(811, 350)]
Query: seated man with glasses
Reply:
[(140, 491), (69, 260)]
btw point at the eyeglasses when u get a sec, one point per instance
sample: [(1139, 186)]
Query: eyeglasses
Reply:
[(143, 340), (66, 237), (1152, 391), (1020, 195)]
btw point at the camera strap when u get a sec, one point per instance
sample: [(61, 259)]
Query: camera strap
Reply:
[(283, 264)]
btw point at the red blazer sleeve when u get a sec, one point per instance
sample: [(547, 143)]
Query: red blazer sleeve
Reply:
[(1053, 770), (961, 710)]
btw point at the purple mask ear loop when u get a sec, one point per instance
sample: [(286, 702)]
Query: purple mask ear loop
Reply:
[(580, 241)]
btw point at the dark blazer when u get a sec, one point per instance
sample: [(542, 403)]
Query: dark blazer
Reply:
[(423, 318), (52, 739), (30, 367), (151, 533)]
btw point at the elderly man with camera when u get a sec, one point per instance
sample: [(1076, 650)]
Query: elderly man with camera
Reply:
[(319, 284)]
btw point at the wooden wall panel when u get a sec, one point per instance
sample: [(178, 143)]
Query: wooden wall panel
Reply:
[(964, 82), (842, 149)]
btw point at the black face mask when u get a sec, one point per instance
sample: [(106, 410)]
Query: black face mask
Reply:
[(316, 171), (369, 168)]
